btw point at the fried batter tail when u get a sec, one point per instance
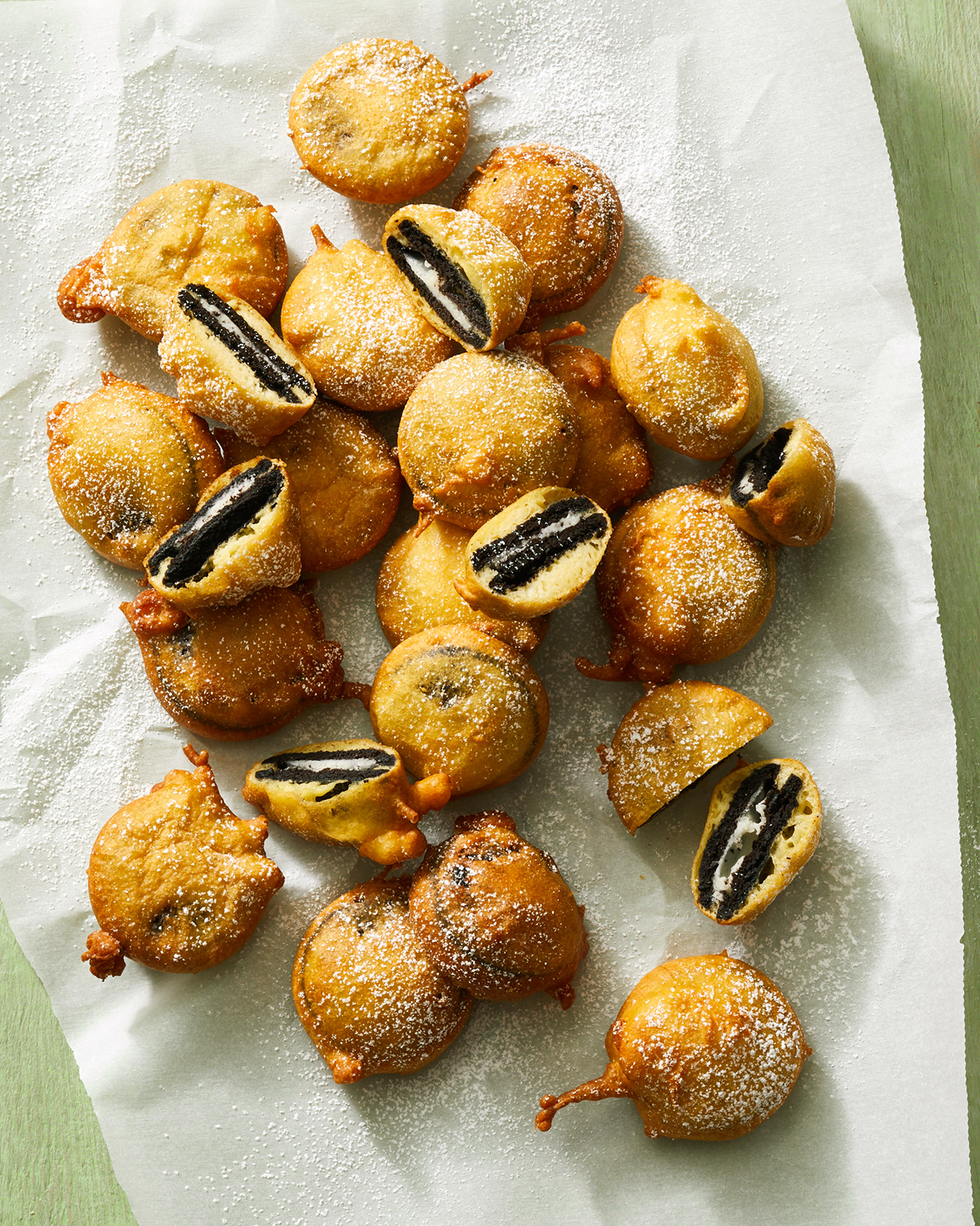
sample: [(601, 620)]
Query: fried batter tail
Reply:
[(104, 955), (609, 1085)]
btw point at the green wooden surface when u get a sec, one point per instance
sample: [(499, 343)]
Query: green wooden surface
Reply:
[(923, 57)]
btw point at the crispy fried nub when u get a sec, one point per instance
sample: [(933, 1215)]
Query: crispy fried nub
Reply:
[(366, 992), (177, 881), (763, 825), (194, 231), (380, 120), (240, 671), (495, 915), (782, 491), (670, 738), (353, 325), (351, 792), (344, 476), (687, 374), (127, 465), (680, 584), (707, 1048), (560, 211)]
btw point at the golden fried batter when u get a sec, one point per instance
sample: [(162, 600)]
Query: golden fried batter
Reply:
[(352, 324), (613, 464), (365, 991), (177, 881), (415, 589), (680, 584), (127, 465), (481, 430), (686, 372), (193, 231), (240, 671), (706, 1047), (670, 738), (560, 211), (380, 120), (344, 476), (494, 914), (455, 700)]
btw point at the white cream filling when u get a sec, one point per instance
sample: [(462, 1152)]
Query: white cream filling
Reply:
[(353, 765), (423, 272), (739, 845)]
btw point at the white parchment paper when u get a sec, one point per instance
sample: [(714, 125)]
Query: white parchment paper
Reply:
[(744, 142)]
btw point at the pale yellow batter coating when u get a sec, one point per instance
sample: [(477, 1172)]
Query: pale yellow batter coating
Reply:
[(380, 120), (193, 231), (670, 738), (355, 329), (687, 374)]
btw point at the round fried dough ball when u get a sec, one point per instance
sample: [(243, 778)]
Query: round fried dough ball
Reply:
[(560, 211), (127, 465), (365, 991), (415, 589), (481, 430), (706, 1047), (687, 374), (680, 584), (177, 882), (456, 701), (380, 120), (355, 329), (237, 671), (495, 915), (344, 476), (194, 231)]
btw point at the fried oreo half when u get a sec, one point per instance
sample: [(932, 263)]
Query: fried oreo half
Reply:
[(244, 535), (465, 276), (763, 825), (352, 793)]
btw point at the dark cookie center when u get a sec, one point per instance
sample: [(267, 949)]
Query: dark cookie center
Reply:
[(758, 812), (758, 467), (519, 557), (441, 283), (222, 517), (238, 336), (336, 770)]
